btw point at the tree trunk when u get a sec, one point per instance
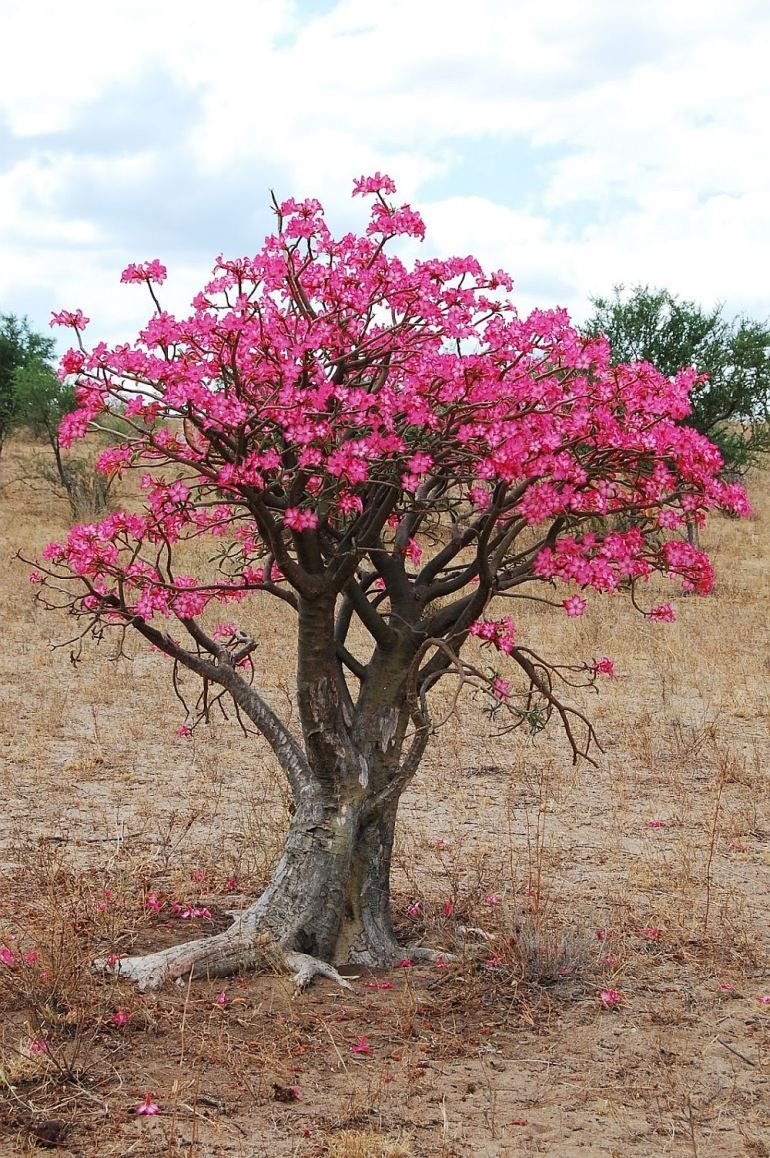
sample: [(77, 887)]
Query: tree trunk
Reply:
[(328, 903), (329, 898)]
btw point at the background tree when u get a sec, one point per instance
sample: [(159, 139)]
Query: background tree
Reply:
[(730, 405), (20, 347), (40, 399), (385, 450)]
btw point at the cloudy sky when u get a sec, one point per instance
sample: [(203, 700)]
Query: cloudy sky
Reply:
[(576, 143)]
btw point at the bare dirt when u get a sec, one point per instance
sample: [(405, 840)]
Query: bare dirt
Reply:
[(647, 878)]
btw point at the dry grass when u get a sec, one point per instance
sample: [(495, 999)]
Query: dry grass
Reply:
[(649, 876)]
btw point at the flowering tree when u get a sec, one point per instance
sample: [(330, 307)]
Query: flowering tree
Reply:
[(386, 450)]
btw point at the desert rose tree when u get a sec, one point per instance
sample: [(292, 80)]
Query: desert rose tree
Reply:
[(385, 448)]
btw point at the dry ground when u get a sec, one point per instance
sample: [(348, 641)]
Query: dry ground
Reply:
[(649, 875)]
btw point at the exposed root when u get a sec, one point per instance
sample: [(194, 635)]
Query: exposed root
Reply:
[(417, 953), (306, 968), (220, 956)]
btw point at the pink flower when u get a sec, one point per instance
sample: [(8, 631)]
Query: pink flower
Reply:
[(610, 960), (149, 271), (74, 318), (764, 999), (297, 519), (147, 1107), (222, 998), (231, 884), (198, 875), (491, 899), (654, 823), (379, 985), (379, 183), (449, 908), (663, 613), (120, 1018), (493, 962), (7, 956), (601, 934), (406, 963), (604, 666), (652, 933), (415, 910), (361, 1046), (39, 1045), (610, 997), (726, 987), (441, 962), (574, 606), (153, 902), (183, 731), (30, 958)]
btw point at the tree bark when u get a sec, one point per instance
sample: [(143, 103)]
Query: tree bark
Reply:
[(328, 902), (329, 898)]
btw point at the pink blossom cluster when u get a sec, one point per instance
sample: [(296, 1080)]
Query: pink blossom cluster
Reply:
[(323, 379), (149, 271), (497, 633)]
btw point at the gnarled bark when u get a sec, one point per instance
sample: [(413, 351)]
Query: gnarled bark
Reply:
[(328, 902)]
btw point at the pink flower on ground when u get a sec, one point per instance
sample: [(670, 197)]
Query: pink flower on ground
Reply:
[(415, 910), (726, 987), (493, 963), (610, 960), (764, 999), (406, 963), (441, 962), (120, 1018), (605, 667), (153, 902), (231, 884), (379, 985), (361, 1046), (449, 908), (574, 606), (601, 934), (30, 958), (39, 1045), (664, 613), (7, 956), (147, 1107), (652, 933), (610, 997), (654, 824), (222, 998), (183, 731), (491, 899)]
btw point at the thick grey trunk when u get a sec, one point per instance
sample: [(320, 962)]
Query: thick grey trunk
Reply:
[(327, 903), (329, 898)]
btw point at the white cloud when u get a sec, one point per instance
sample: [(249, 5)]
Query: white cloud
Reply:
[(621, 143)]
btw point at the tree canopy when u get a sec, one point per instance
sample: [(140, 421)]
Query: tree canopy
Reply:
[(22, 350)]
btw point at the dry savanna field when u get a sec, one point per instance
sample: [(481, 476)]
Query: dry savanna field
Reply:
[(608, 991)]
